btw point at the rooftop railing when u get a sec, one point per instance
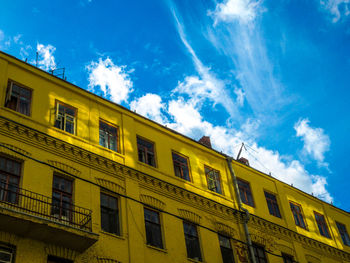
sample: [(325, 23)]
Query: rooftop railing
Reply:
[(25, 201)]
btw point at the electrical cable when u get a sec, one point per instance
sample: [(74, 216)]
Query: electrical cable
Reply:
[(122, 195)]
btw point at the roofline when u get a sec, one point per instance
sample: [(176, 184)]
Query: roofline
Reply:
[(162, 126)]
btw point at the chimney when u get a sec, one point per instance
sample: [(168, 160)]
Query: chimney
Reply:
[(244, 161), (205, 140)]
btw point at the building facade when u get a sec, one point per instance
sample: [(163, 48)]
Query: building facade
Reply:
[(86, 180)]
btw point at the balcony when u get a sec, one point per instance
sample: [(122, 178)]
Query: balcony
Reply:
[(36, 216)]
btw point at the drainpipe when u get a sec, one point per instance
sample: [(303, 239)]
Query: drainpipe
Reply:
[(241, 208)]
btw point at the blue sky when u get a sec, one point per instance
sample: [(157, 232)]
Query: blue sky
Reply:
[(272, 74)]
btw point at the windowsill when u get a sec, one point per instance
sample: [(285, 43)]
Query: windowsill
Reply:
[(64, 132), (110, 151), (304, 228), (17, 113), (194, 260), (157, 248), (148, 165), (112, 235)]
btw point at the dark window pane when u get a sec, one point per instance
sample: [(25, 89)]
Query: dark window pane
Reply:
[(272, 204), (18, 98), (287, 258), (226, 249), (181, 166), (298, 215), (245, 192), (213, 179), (192, 241), (65, 118), (153, 228), (343, 233), (145, 151), (108, 136), (109, 214), (322, 225)]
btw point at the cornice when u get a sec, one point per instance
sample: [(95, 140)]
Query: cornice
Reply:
[(61, 252), (61, 148), (114, 187), (189, 216), (65, 167), (152, 201)]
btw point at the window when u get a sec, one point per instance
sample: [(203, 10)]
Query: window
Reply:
[(62, 198), (181, 166), (18, 98), (245, 192), (52, 259), (10, 172), (192, 241), (109, 214), (146, 151), (65, 117), (259, 254), (213, 179), (108, 136), (322, 225), (7, 254), (297, 214), (272, 204), (226, 249), (153, 228), (343, 233), (287, 258)]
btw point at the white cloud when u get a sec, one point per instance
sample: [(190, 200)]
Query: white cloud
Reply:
[(2, 35), (111, 79), (243, 11), (46, 59), (150, 106), (316, 142), (207, 85), (337, 8), (240, 96)]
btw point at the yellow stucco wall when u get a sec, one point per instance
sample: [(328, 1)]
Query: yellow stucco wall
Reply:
[(137, 182)]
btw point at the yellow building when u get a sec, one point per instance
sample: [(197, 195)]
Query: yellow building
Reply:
[(86, 180)]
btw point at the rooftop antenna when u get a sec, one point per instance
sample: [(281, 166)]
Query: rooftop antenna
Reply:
[(36, 60), (58, 72), (240, 151)]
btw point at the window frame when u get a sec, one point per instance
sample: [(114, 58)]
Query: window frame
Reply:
[(109, 135), (196, 238), (8, 96), (274, 205), (63, 194), (287, 258), (180, 165), (246, 201), (257, 247), (207, 171), (300, 214), (75, 117), (10, 250), (158, 225), (347, 238), (322, 224), (117, 210), (4, 190), (54, 259), (226, 249), (154, 164)]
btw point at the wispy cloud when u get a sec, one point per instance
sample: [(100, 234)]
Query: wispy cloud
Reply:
[(112, 80), (206, 85), (316, 142), (244, 47), (337, 8), (46, 59), (243, 11)]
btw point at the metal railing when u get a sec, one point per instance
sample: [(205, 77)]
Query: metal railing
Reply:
[(25, 201)]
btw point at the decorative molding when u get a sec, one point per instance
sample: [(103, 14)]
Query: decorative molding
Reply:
[(264, 239), (107, 260), (64, 167), (312, 259), (7, 150), (114, 187), (152, 201), (286, 249), (61, 252), (224, 229), (79, 155), (241, 251), (189, 216), (8, 238)]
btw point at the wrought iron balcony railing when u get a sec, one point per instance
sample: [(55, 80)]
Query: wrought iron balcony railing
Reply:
[(28, 202)]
